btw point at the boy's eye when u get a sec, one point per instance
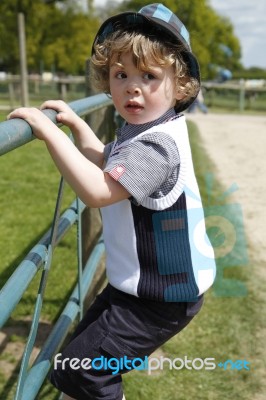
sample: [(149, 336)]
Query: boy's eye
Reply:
[(121, 75), (149, 76)]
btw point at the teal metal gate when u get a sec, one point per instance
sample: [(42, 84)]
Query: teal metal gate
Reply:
[(15, 133)]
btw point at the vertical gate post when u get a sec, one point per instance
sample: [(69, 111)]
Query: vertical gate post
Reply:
[(103, 125), (23, 60)]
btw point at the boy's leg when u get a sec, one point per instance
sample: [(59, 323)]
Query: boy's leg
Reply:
[(100, 304), (130, 327), (81, 384)]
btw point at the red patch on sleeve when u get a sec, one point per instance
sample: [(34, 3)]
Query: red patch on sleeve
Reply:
[(117, 172)]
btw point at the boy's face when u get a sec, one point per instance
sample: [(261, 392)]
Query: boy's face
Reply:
[(141, 96)]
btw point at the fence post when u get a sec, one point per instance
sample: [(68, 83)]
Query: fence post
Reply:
[(11, 92), (242, 96), (103, 125), (23, 61)]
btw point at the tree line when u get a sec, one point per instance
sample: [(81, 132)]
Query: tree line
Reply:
[(59, 34)]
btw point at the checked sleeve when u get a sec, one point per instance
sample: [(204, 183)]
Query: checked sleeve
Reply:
[(146, 165)]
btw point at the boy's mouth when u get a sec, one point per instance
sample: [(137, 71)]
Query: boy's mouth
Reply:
[(133, 106)]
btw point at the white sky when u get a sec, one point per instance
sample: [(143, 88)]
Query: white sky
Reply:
[(249, 20)]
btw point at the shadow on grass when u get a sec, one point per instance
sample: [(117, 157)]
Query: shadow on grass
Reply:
[(14, 337), (9, 270)]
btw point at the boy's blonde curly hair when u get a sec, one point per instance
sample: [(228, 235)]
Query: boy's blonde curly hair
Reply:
[(145, 49)]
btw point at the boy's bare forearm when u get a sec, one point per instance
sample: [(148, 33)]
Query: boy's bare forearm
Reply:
[(94, 187), (88, 143)]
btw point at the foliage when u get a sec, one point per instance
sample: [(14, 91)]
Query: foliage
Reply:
[(58, 38)]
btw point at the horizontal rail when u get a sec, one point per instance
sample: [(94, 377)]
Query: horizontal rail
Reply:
[(16, 132), (18, 282)]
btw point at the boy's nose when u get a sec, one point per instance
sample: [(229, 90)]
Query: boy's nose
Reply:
[(133, 89)]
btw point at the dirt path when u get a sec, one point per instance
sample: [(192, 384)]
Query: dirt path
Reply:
[(237, 146)]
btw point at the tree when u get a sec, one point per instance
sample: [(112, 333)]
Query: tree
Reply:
[(57, 37)]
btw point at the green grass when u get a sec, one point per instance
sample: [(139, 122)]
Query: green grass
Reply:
[(225, 328)]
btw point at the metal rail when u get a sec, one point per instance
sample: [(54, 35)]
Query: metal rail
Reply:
[(13, 134)]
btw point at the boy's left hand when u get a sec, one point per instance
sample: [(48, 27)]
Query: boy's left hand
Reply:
[(41, 125)]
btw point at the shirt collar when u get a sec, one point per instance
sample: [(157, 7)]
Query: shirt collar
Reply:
[(129, 131)]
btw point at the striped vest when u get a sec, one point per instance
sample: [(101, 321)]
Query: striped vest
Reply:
[(159, 249)]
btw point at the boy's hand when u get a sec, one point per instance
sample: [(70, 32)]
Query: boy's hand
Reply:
[(65, 115), (41, 125)]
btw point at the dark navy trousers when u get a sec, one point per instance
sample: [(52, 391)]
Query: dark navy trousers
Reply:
[(117, 325)]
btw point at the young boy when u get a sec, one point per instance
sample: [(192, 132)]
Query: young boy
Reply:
[(159, 260)]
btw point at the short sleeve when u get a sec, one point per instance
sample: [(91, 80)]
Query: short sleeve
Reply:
[(107, 149), (142, 166)]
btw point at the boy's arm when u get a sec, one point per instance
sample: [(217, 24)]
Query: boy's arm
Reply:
[(94, 187), (87, 142)]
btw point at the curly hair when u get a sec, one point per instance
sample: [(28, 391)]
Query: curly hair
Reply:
[(144, 48)]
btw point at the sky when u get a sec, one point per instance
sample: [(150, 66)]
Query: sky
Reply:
[(249, 20)]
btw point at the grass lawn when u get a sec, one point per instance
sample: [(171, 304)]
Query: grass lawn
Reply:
[(224, 329)]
